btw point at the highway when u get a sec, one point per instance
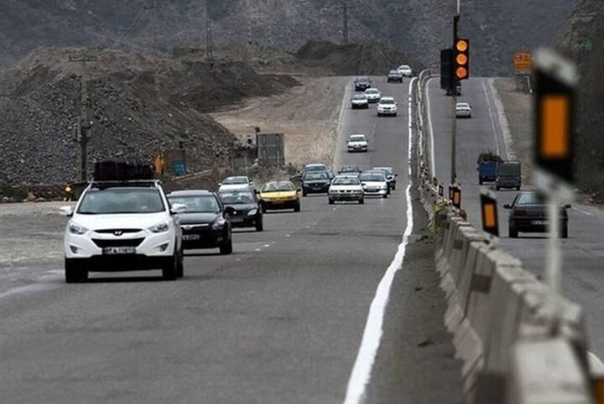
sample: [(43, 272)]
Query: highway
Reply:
[(583, 251), (280, 320)]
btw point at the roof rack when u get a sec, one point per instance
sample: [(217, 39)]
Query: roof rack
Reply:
[(112, 170)]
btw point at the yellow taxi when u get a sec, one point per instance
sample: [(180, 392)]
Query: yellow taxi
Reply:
[(280, 195)]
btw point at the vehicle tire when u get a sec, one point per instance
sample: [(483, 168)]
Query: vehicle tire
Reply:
[(180, 266), (394, 115), (385, 196), (74, 272), (263, 208), (367, 106), (297, 207), (304, 193), (331, 201), (497, 188), (362, 201), (227, 248), (480, 181), (170, 269), (513, 232), (394, 187), (259, 225)]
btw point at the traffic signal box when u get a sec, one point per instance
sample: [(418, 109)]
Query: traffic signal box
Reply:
[(446, 69), (554, 116), (461, 59)]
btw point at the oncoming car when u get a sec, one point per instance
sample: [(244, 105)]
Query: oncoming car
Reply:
[(357, 143), (205, 221), (373, 95), (346, 188), (246, 210), (374, 183), (280, 195), (362, 84), (359, 101), (386, 106), (123, 226)]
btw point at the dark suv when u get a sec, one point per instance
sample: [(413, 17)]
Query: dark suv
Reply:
[(362, 84), (205, 222), (315, 182)]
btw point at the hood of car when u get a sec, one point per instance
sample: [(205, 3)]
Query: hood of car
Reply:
[(243, 207), (374, 183), (277, 195), (198, 218), (120, 221), (227, 187)]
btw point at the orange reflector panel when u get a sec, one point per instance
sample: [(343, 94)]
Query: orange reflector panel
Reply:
[(599, 390), (461, 45), (490, 221), (554, 127), (461, 59), (461, 73), (457, 198)]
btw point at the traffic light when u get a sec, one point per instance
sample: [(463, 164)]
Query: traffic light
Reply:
[(555, 82), (461, 59), (446, 69)]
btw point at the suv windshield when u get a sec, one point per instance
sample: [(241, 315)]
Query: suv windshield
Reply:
[(235, 180), (197, 203), (121, 200), (357, 138), (277, 187), (346, 181), (531, 198), (237, 198), (386, 101), (359, 96)]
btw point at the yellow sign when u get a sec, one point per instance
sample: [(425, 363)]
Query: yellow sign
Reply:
[(523, 62)]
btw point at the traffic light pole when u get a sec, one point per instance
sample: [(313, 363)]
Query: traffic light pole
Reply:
[(453, 104)]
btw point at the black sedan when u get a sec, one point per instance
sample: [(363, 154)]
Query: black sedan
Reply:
[(315, 183), (362, 84), (205, 221), (528, 214), (246, 209)]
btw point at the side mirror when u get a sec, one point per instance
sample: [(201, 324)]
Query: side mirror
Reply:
[(507, 206), (229, 210), (66, 211), (251, 183), (178, 208), (396, 175)]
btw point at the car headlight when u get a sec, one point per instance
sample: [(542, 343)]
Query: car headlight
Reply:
[(160, 228), (252, 212), (75, 228), (218, 225), (383, 187)]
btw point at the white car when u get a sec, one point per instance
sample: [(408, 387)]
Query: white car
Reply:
[(123, 226), (357, 143), (405, 70), (359, 101), (463, 110), (387, 106), (373, 95), (236, 183), (374, 183), (346, 188)]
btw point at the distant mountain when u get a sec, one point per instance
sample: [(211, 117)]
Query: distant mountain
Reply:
[(419, 28)]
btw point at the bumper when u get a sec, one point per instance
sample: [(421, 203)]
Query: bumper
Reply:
[(122, 263), (208, 238), (248, 221), (273, 205), (508, 184), (534, 225), (395, 80), (387, 112), (363, 105), (316, 190), (376, 192), (346, 196), (357, 149), (152, 245), (463, 114)]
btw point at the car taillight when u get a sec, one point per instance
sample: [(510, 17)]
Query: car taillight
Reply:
[(520, 213)]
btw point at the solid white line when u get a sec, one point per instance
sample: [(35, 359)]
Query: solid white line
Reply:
[(583, 211), (491, 107), (432, 162), (372, 335)]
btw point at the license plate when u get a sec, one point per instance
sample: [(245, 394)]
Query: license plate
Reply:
[(539, 222), (191, 236), (119, 250), (235, 219), (277, 202)]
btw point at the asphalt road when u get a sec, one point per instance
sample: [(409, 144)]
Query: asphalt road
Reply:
[(278, 321), (583, 251)]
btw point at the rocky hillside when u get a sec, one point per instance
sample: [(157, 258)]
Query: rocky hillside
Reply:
[(415, 27), (583, 40), (141, 105)]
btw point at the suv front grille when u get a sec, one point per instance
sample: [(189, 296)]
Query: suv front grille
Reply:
[(132, 242), (120, 231)]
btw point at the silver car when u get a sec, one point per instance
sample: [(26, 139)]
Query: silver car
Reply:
[(463, 110)]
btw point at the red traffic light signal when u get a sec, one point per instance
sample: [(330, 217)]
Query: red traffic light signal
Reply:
[(461, 59)]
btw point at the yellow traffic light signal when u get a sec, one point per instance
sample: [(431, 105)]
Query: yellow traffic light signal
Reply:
[(461, 49)]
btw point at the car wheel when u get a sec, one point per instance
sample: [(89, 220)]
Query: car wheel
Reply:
[(263, 208), (297, 207), (74, 272), (480, 181), (304, 193), (361, 201), (227, 248), (331, 201), (394, 187), (180, 268), (170, 269), (394, 114), (513, 232), (259, 225)]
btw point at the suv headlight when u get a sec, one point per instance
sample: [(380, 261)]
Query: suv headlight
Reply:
[(160, 228), (218, 225), (75, 228), (252, 212)]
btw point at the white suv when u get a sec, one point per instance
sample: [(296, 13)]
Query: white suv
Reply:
[(387, 106), (123, 226)]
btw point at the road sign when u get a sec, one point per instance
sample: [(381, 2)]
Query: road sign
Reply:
[(523, 62), (490, 220), (555, 81)]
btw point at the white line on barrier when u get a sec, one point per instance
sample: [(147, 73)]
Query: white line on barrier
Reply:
[(432, 162), (372, 335), (596, 366)]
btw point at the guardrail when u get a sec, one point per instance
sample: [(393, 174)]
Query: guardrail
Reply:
[(513, 351)]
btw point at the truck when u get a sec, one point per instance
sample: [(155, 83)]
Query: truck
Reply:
[(487, 167), (508, 175)]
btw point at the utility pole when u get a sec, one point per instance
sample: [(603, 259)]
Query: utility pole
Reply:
[(209, 39), (84, 129), (153, 7), (345, 22)]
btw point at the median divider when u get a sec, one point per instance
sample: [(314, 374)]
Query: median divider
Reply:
[(513, 349)]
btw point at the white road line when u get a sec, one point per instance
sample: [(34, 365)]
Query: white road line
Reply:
[(596, 366), (583, 211), (372, 335), (432, 162), (491, 107)]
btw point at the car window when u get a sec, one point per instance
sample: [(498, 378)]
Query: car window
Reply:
[(316, 168), (387, 170), (357, 138), (121, 200), (197, 203), (346, 181), (235, 180), (372, 177), (387, 102), (316, 176), (277, 187), (237, 198), (529, 198), (359, 96)]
